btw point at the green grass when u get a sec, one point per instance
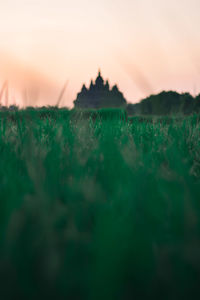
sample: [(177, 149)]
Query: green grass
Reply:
[(99, 207)]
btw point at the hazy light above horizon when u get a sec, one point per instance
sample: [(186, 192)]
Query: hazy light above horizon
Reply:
[(144, 46)]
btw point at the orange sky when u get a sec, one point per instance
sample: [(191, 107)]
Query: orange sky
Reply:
[(144, 46)]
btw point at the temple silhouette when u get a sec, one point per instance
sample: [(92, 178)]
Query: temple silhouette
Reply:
[(99, 95)]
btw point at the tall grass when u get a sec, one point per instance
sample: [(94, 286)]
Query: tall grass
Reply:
[(99, 207)]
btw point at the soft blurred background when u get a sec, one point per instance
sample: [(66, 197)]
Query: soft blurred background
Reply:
[(145, 46)]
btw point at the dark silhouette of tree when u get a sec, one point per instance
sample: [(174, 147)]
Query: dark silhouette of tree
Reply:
[(197, 104), (99, 95), (188, 103), (166, 103)]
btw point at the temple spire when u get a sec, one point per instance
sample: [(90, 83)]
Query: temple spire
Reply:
[(99, 95), (99, 81)]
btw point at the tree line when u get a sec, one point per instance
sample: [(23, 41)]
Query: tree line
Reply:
[(166, 103)]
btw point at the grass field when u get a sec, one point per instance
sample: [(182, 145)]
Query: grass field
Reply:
[(98, 206)]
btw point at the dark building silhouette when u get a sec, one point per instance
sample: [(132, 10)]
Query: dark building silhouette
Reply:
[(99, 95)]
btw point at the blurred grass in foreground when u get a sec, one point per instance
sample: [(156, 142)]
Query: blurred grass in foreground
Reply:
[(99, 207)]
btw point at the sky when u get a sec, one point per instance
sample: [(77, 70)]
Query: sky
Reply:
[(144, 46)]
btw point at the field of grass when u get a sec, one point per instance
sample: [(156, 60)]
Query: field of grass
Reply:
[(98, 206)]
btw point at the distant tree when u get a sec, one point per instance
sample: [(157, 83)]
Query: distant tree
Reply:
[(166, 103), (188, 103), (197, 104), (133, 109)]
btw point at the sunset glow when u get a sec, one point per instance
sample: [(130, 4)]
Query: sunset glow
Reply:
[(144, 46)]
